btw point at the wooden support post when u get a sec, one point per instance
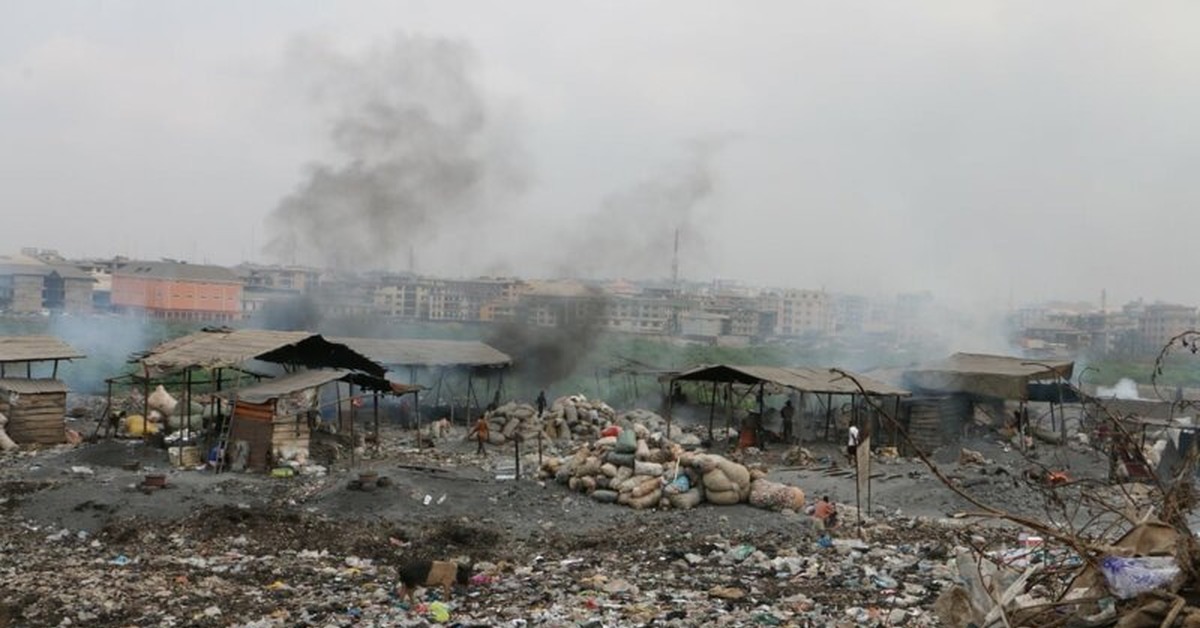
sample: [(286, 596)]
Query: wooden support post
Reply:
[(470, 394), (828, 413), (728, 411), (54, 374), (417, 403), (712, 410), (670, 407)]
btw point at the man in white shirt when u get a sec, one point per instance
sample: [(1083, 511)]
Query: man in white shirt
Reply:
[(852, 443)]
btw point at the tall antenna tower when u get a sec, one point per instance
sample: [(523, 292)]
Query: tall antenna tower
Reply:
[(675, 264)]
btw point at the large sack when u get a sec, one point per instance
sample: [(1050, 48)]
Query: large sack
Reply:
[(590, 466), (648, 500), (630, 483), (162, 401), (626, 442), (587, 484), (647, 468), (606, 497), (723, 498), (620, 460), (716, 480), (643, 451), (775, 496), (651, 485), (609, 469), (6, 443), (685, 500)]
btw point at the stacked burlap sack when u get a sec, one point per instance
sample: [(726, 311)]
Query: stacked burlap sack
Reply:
[(640, 469), (569, 418)]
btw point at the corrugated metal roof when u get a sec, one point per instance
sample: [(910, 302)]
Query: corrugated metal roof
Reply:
[(801, 378), (285, 385), (178, 271), (998, 376), (35, 349), (223, 348), (418, 352), (32, 386)]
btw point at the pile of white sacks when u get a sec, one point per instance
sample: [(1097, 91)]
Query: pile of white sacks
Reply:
[(573, 418), (633, 466)]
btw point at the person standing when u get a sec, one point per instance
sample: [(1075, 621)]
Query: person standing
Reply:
[(787, 412), (480, 432), (541, 403), (852, 443)]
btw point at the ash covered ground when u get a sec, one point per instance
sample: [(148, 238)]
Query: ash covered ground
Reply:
[(87, 546)]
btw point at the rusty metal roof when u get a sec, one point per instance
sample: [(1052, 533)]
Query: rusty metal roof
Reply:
[(179, 271), (294, 382), (32, 386), (800, 378), (998, 376), (419, 352), (223, 348), (35, 349)]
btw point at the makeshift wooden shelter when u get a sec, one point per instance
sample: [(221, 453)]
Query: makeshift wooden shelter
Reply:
[(950, 391), (822, 383), (35, 409), (221, 362), (274, 417), (35, 406)]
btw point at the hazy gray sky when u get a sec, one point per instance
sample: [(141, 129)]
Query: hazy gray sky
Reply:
[(970, 148)]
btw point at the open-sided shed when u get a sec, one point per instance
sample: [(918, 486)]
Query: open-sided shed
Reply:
[(436, 359), (953, 389), (982, 375), (35, 407), (802, 380)]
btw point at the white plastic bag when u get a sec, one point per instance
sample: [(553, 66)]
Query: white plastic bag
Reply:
[(1131, 577)]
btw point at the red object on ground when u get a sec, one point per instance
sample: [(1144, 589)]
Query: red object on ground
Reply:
[(612, 430)]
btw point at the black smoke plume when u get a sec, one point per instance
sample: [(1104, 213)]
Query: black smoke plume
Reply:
[(411, 149), (543, 356)]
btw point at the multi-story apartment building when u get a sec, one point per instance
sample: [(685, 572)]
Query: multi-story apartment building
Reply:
[(468, 300), (800, 312), (177, 290), (29, 285), (1158, 322), (640, 314)]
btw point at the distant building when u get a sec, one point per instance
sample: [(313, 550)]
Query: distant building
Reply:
[(800, 312), (264, 283), (1158, 322), (29, 285), (177, 291), (561, 304)]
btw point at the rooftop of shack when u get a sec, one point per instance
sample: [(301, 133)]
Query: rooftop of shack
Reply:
[(996, 376), (222, 348), (425, 353), (801, 378), (35, 349)]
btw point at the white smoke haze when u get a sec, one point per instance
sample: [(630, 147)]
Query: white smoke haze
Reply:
[(1124, 389), (632, 233), (408, 129)]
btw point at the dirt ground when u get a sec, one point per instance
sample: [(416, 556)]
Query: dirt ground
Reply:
[(440, 503)]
